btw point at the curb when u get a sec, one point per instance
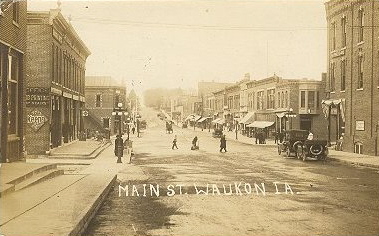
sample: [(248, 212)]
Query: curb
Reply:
[(352, 163), (89, 212)]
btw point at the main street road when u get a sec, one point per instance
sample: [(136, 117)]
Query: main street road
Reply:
[(328, 198)]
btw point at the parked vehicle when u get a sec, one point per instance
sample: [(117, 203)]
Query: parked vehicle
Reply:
[(292, 139), (143, 124), (314, 149)]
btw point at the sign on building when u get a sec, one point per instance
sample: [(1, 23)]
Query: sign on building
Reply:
[(36, 120), (360, 125), (37, 97)]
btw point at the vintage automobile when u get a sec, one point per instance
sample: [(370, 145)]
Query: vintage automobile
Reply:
[(292, 139), (217, 133), (143, 124), (314, 149)]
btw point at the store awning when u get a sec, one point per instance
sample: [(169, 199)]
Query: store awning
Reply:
[(249, 118), (331, 102), (190, 117), (221, 121), (215, 120), (261, 124), (203, 119), (196, 118)]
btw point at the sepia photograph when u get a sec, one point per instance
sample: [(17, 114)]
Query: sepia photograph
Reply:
[(189, 117)]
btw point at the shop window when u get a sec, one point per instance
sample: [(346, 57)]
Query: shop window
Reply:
[(13, 96), (358, 148), (317, 99), (302, 99)]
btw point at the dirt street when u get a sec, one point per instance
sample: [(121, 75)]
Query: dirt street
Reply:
[(251, 191)]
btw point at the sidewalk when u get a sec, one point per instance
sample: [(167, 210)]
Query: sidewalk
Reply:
[(354, 159), (88, 149), (65, 204)]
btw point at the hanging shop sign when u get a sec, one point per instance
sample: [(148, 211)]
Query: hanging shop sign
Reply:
[(36, 120), (37, 97)]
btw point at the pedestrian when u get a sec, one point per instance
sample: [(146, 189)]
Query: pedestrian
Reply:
[(276, 137), (310, 136), (281, 136), (174, 143), (223, 143), (256, 135), (133, 129), (118, 146), (194, 142)]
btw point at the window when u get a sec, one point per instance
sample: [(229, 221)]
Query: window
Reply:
[(16, 11), (13, 95), (360, 24), (332, 78), (260, 100), (343, 75), (344, 31), (333, 35), (360, 71), (302, 99), (358, 148), (282, 99), (98, 100), (279, 105), (317, 100), (311, 99), (271, 99), (286, 99), (105, 123)]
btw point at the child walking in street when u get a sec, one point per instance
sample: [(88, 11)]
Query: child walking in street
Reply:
[(174, 143)]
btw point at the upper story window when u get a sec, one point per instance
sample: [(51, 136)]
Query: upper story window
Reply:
[(271, 99), (286, 99), (343, 75), (317, 99), (98, 100), (343, 31), (302, 99), (332, 78), (279, 105), (360, 71), (361, 16), (311, 99), (333, 35), (13, 102), (260, 100), (16, 11)]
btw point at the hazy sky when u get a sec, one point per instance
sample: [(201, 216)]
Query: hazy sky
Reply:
[(178, 43)]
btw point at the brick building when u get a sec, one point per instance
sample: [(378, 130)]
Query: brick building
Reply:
[(103, 95), (352, 104), (55, 79), (12, 71)]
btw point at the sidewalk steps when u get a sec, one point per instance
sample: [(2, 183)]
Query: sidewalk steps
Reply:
[(38, 178), (29, 178)]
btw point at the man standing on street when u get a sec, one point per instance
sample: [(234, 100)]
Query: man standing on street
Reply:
[(174, 143), (223, 143)]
